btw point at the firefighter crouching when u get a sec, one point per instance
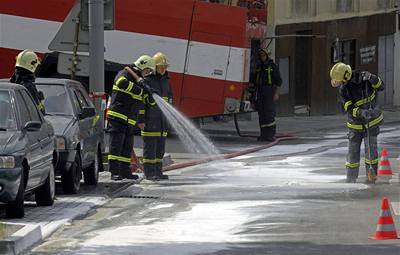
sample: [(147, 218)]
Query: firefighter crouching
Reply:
[(122, 116), (359, 94), (156, 129), (25, 67), (267, 80)]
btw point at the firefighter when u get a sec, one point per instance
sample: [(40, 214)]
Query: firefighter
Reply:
[(26, 65), (156, 129), (359, 93), (266, 82), (122, 115)]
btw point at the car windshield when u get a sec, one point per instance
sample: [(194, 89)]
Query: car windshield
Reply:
[(56, 100), (7, 116)]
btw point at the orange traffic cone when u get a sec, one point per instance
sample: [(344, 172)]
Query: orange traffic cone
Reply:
[(385, 228), (384, 168)]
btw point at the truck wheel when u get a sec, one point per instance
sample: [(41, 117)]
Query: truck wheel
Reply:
[(91, 174), (44, 195), (71, 180), (15, 209)]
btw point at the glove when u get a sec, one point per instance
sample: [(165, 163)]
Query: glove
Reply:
[(366, 113), (366, 76), (146, 87)]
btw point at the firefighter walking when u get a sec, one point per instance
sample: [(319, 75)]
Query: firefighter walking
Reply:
[(267, 80), (156, 129), (25, 67), (359, 93), (122, 116)]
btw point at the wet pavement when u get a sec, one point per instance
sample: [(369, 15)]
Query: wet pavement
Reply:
[(287, 199)]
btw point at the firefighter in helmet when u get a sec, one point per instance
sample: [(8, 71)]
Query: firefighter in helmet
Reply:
[(266, 81), (123, 115), (156, 129), (26, 65), (359, 94)]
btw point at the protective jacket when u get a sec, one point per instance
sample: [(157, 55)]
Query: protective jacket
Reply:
[(359, 95), (156, 124), (126, 99), (266, 79), (27, 79)]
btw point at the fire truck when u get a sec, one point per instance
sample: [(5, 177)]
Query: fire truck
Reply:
[(210, 46)]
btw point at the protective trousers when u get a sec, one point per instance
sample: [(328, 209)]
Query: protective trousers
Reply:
[(121, 146), (153, 153), (353, 155), (266, 118)]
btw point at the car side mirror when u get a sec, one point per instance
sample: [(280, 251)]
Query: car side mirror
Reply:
[(87, 112), (33, 126)]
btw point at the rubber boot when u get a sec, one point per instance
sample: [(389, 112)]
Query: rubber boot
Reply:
[(114, 170), (351, 175), (159, 173)]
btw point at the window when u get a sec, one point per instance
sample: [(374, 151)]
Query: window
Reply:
[(299, 7), (348, 52), (7, 117), (56, 100), (23, 110), (32, 109), (344, 5)]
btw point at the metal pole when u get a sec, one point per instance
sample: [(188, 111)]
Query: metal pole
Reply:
[(96, 45)]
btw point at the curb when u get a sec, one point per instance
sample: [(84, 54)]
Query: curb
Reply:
[(21, 240)]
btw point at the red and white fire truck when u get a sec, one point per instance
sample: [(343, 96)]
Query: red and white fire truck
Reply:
[(209, 45)]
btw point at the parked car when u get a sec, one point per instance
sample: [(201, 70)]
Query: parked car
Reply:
[(27, 151), (79, 131)]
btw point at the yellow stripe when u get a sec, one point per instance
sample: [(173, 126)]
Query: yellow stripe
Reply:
[(117, 115), (119, 158), (352, 165), (377, 85), (95, 120), (268, 125), (347, 104), (370, 124), (355, 111), (150, 161), (365, 100), (132, 122), (154, 134), (269, 75), (142, 111), (134, 96), (371, 162)]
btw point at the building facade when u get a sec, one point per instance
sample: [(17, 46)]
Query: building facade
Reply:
[(309, 36)]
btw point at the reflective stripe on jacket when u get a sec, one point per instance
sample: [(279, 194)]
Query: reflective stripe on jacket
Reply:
[(359, 95), (156, 124), (126, 99)]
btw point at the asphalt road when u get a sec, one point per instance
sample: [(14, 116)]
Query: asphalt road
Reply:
[(288, 199)]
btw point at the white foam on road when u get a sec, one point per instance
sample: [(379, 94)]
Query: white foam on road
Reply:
[(213, 224)]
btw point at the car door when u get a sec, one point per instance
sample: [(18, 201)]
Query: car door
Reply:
[(34, 151), (45, 136), (85, 128)]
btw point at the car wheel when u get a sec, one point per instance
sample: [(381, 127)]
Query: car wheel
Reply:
[(15, 209), (91, 174), (71, 180), (44, 195)]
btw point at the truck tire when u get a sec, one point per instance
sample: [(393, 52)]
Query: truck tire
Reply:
[(15, 209), (44, 195), (71, 180)]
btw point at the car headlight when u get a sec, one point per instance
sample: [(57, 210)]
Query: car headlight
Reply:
[(7, 162), (60, 143)]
